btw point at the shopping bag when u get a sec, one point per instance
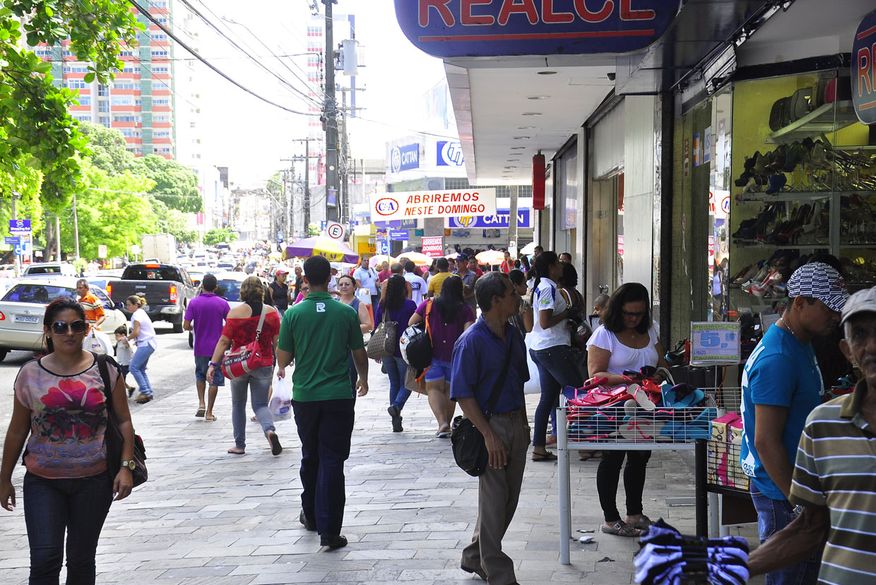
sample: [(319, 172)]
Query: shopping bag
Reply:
[(281, 400), (97, 342), (533, 385)]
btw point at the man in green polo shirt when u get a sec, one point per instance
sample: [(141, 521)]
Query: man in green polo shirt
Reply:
[(835, 471), (319, 333)]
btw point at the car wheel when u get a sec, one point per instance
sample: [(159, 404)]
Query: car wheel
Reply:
[(177, 327), (3, 353), (191, 339)]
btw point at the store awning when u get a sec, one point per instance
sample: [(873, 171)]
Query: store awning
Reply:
[(509, 108)]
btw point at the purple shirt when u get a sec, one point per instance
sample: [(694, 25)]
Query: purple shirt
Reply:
[(400, 316), (207, 313), (444, 335)]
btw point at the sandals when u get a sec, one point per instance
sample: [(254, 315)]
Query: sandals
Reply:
[(621, 528), (546, 456), (274, 440), (200, 412), (209, 418), (236, 451)]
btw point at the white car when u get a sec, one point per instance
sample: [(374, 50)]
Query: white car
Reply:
[(228, 286), (23, 306)]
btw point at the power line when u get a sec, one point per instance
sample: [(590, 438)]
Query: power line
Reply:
[(197, 55), (233, 43)]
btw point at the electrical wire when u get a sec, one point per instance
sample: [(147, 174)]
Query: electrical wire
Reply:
[(237, 46), (198, 56)]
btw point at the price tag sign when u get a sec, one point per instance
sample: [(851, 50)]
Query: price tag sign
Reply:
[(715, 343)]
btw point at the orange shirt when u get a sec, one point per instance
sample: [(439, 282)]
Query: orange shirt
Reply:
[(92, 307)]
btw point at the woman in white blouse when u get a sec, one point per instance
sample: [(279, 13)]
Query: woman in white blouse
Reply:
[(627, 341)]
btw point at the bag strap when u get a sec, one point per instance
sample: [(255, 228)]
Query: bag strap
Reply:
[(102, 367), (261, 322), (494, 395), (428, 315)]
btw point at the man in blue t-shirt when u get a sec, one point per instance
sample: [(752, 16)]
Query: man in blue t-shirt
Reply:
[(781, 385), (491, 354)]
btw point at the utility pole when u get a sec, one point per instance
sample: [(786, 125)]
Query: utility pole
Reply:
[(344, 178), (287, 195), (330, 116), (306, 159)]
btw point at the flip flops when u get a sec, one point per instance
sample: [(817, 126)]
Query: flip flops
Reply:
[(546, 456), (200, 412)]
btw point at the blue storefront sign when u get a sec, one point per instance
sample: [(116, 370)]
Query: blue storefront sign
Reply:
[(502, 220), (864, 70), (449, 153), (399, 235), (404, 158), (398, 224), (19, 226), (490, 28)]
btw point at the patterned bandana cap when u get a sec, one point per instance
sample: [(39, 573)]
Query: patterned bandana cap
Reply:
[(817, 280), (863, 301)]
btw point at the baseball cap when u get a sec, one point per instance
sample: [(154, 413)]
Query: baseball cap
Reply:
[(281, 270), (817, 280), (863, 301)]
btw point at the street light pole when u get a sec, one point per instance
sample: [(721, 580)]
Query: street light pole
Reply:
[(331, 119)]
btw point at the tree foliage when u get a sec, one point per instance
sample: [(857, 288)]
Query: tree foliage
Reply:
[(175, 185), (36, 130), (219, 235), (173, 222), (108, 148)]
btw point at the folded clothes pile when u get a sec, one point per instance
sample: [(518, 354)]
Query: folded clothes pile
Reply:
[(667, 557)]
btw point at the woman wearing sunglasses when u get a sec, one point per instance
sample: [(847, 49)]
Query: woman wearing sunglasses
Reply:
[(626, 341), (143, 333), (60, 403)]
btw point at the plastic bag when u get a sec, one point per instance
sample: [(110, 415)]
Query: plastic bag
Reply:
[(281, 400), (97, 342), (533, 386)]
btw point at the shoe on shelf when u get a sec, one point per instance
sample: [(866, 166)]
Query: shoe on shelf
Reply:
[(333, 542)]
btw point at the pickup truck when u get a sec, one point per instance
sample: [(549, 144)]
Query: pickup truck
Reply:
[(167, 289)]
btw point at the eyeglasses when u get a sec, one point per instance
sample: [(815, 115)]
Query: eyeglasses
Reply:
[(62, 327)]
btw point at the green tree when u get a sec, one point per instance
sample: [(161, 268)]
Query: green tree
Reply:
[(107, 146), (113, 210), (36, 130), (175, 185), (173, 222), (219, 236)]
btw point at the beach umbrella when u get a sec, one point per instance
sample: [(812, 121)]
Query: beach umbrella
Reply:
[(417, 258), (333, 250), (490, 257), (378, 259), (528, 248)]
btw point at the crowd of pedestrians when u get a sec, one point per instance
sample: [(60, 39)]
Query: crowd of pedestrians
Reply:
[(811, 465)]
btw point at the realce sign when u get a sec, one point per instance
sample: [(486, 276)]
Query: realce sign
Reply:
[(479, 28)]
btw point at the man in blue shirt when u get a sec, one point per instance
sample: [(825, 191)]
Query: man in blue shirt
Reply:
[(492, 352), (781, 384)]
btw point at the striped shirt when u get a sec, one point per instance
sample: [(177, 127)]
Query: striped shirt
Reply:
[(836, 467)]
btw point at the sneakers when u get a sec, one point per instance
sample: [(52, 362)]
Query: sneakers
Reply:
[(143, 398), (395, 413)]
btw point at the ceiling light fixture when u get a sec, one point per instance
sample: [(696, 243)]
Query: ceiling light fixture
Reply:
[(518, 148), (537, 97), (522, 137), (547, 72), (531, 114)]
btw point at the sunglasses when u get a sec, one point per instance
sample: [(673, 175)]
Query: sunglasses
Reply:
[(62, 327)]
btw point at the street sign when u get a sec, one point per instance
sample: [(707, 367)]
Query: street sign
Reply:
[(18, 249), (19, 226), (334, 230), (399, 235), (12, 240), (714, 342)]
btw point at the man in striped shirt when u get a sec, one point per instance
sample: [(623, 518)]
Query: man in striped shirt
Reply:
[(835, 471)]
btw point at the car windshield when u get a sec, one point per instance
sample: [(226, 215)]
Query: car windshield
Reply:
[(229, 289), (44, 270), (37, 293), (146, 273)]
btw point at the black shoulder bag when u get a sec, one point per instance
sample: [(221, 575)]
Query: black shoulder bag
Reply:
[(113, 436), (469, 448)]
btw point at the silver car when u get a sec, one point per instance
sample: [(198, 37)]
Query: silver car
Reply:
[(23, 306)]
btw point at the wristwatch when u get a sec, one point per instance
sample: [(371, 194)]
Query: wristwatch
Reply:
[(129, 463)]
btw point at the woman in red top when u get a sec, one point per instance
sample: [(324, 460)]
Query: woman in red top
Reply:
[(240, 329)]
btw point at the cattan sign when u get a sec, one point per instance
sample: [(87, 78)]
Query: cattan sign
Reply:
[(489, 28), (425, 204)]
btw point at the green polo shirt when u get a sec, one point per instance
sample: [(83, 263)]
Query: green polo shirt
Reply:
[(320, 332), (836, 468)]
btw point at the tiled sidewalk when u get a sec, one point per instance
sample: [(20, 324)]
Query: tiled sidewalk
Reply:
[(212, 518)]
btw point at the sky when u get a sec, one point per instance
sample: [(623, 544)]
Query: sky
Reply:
[(252, 137)]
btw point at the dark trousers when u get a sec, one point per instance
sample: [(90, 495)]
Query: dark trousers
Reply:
[(53, 507), (608, 475), (556, 369), (325, 428)]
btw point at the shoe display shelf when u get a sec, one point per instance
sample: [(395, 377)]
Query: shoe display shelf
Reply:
[(824, 119)]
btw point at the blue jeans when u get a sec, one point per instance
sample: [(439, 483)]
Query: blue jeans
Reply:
[(556, 369), (396, 369), (55, 506), (138, 368), (772, 516), (325, 428), (259, 382)]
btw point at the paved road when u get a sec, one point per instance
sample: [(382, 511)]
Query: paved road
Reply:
[(206, 517)]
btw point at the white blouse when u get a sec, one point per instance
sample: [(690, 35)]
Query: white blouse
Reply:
[(623, 357)]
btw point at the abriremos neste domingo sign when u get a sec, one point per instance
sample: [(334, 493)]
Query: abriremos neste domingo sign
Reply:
[(489, 28)]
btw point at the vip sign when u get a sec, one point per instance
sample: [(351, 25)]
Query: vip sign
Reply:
[(426, 204)]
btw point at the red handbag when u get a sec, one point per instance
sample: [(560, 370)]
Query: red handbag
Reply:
[(246, 358)]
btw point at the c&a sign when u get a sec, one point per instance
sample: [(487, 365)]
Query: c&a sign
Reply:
[(425, 204), (491, 28), (864, 70)]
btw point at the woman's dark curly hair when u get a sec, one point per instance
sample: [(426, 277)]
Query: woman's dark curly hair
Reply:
[(631, 292)]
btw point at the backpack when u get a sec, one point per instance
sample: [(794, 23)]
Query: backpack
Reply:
[(416, 344)]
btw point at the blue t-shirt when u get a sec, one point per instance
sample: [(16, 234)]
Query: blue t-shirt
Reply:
[(478, 358), (780, 372)]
